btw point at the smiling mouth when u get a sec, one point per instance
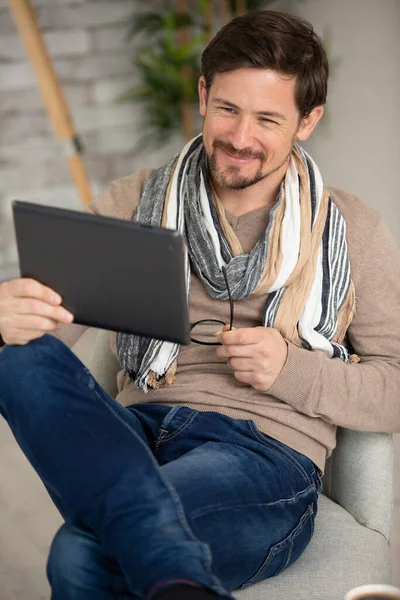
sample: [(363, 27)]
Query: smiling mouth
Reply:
[(239, 159)]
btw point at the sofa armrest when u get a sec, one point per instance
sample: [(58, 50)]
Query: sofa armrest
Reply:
[(359, 477)]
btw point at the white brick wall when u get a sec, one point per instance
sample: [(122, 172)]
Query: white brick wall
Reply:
[(107, 90), (16, 76), (85, 39), (86, 14), (108, 38), (94, 66), (102, 117), (59, 43), (21, 126), (6, 22), (13, 102)]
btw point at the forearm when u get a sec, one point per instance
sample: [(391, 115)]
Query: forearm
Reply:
[(363, 396)]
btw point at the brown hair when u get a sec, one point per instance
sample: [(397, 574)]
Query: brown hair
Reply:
[(274, 40)]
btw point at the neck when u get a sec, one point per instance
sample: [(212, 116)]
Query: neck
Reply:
[(263, 193)]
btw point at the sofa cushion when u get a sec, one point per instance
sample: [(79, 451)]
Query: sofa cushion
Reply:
[(342, 555)]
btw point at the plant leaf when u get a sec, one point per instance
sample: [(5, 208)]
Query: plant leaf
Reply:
[(149, 22)]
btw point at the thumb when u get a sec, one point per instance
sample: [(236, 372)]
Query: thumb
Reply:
[(225, 328)]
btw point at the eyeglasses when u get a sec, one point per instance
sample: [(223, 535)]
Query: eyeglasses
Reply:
[(207, 329)]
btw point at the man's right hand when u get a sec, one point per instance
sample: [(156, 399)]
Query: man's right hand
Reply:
[(28, 310)]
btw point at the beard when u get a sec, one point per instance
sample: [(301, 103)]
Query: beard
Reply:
[(231, 178)]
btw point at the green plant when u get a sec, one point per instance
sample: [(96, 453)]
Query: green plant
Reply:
[(169, 67)]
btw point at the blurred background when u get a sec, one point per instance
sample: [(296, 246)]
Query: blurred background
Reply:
[(128, 72)]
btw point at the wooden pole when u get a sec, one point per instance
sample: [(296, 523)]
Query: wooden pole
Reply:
[(51, 91), (187, 73)]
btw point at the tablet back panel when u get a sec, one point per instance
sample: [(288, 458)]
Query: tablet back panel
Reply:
[(111, 273)]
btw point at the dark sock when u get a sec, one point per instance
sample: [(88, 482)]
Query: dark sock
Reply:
[(187, 592)]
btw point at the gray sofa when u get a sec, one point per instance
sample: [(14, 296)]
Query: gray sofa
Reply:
[(350, 546)]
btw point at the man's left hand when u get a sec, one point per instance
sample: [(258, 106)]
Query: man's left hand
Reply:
[(256, 355)]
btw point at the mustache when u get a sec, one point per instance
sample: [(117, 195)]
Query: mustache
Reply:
[(245, 153)]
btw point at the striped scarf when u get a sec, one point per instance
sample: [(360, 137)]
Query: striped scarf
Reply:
[(301, 264)]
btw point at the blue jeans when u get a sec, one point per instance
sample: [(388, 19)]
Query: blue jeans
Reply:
[(152, 496)]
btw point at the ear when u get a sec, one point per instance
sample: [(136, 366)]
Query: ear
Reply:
[(202, 96), (309, 123)]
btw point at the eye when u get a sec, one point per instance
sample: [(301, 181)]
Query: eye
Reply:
[(228, 109), (265, 120)]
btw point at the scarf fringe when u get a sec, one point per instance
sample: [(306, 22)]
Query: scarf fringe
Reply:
[(155, 382)]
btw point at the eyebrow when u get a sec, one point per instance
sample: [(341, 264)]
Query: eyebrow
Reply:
[(265, 113)]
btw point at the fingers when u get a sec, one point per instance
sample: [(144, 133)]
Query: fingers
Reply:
[(247, 350), (241, 364), (246, 335), (244, 376), (247, 342), (25, 328), (23, 337), (28, 310), (256, 356), (27, 296), (30, 306), (35, 323), (29, 288)]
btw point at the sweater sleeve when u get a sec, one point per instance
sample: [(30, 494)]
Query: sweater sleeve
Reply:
[(364, 396)]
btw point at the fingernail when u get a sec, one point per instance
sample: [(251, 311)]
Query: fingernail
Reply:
[(217, 333), (67, 317), (55, 299)]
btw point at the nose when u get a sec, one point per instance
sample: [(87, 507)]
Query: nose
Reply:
[(242, 135)]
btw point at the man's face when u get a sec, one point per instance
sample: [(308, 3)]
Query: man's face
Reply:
[(251, 123)]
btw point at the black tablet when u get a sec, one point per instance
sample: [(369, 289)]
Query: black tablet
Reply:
[(110, 273)]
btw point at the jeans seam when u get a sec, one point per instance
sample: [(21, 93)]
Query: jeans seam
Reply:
[(303, 521), (159, 439), (167, 438), (281, 451), (162, 431), (217, 508), (272, 552)]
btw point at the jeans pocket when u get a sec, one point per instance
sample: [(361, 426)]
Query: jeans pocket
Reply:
[(282, 554), (301, 463), (174, 423)]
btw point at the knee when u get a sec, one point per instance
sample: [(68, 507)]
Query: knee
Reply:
[(19, 364), (60, 548), (68, 561), (27, 372), (17, 359), (79, 567)]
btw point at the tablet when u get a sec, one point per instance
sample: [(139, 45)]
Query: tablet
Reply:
[(112, 274)]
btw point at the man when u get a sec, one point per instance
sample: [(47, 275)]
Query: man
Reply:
[(208, 481)]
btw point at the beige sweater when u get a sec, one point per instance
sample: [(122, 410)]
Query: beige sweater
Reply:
[(313, 394)]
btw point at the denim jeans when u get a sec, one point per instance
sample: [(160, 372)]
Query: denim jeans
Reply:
[(152, 496)]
